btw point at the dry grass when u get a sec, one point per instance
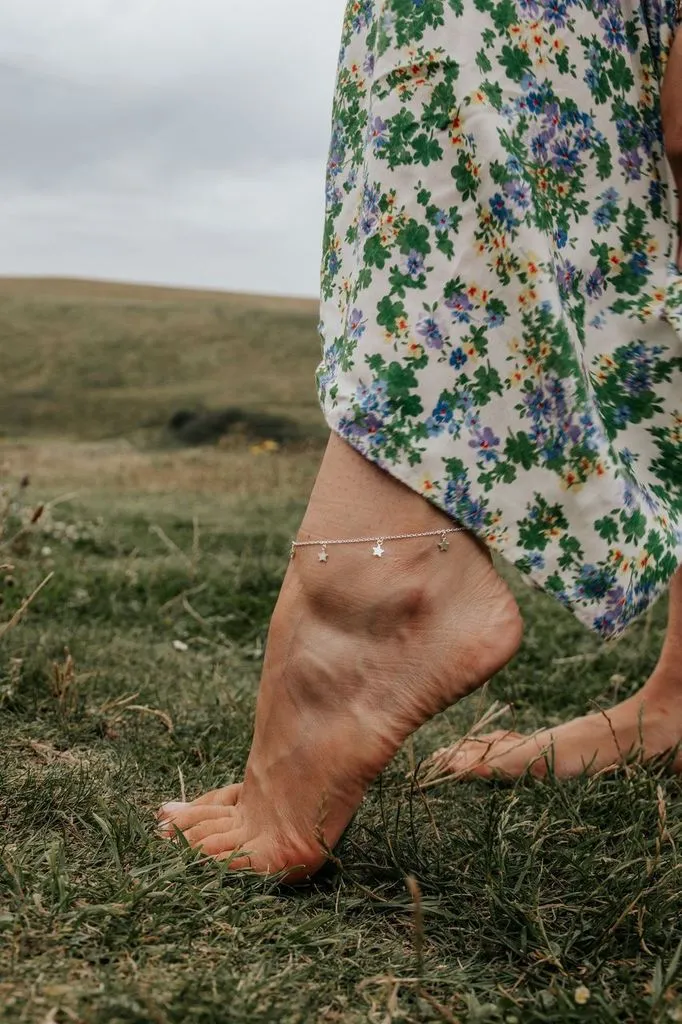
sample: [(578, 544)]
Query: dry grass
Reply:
[(466, 903), (91, 361), (130, 679), (51, 288), (115, 467)]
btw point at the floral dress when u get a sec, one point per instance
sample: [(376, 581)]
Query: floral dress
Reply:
[(501, 310)]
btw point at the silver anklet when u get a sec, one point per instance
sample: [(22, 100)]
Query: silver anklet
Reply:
[(378, 549)]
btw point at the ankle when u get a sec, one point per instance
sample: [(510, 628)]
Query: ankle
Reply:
[(360, 593), (414, 589), (663, 690)]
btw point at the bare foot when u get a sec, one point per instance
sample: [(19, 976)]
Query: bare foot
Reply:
[(644, 727), (361, 652)]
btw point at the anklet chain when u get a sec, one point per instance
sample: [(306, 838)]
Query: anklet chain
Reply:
[(378, 550)]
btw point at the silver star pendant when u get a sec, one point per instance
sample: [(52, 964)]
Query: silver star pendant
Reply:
[(378, 551), (444, 544), (323, 556)]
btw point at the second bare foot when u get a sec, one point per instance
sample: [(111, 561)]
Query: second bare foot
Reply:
[(643, 727)]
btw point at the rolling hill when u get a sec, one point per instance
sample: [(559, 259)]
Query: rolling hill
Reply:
[(90, 360)]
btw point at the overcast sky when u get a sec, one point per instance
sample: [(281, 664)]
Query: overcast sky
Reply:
[(170, 141)]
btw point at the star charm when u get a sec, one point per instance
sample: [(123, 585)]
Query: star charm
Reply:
[(323, 556), (378, 550), (444, 544)]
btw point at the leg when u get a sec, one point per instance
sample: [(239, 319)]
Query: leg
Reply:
[(361, 652), (647, 724), (651, 721), (671, 109)]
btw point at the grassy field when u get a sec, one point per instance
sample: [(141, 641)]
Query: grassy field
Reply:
[(133, 675), (93, 361)]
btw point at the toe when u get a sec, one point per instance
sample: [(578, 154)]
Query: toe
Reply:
[(227, 796), (507, 756), (480, 743), (477, 748), (187, 816), (218, 838), (481, 756), (498, 736)]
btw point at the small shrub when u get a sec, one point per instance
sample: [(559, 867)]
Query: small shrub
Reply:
[(201, 427)]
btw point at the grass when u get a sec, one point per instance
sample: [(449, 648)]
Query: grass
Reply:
[(132, 677), (132, 356)]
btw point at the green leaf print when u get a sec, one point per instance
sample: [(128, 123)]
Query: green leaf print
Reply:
[(398, 148), (414, 237), (376, 254), (631, 35), (400, 379), (388, 312), (505, 14), (634, 526), (384, 39), (376, 363), (438, 112), (601, 254), (572, 552), (445, 245), (621, 76), (487, 383), (627, 280), (427, 150), (654, 545), (554, 584), (516, 62), (501, 473), (667, 466), (602, 153), (496, 307), (562, 62), (364, 279), (400, 282), (483, 62), (635, 228), (411, 21), (401, 385), (493, 91), (479, 339), (607, 528), (465, 180), (520, 449), (454, 469)]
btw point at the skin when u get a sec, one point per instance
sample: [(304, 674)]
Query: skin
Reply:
[(671, 110), (362, 651), (645, 725)]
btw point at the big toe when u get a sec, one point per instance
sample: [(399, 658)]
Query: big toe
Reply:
[(226, 796)]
